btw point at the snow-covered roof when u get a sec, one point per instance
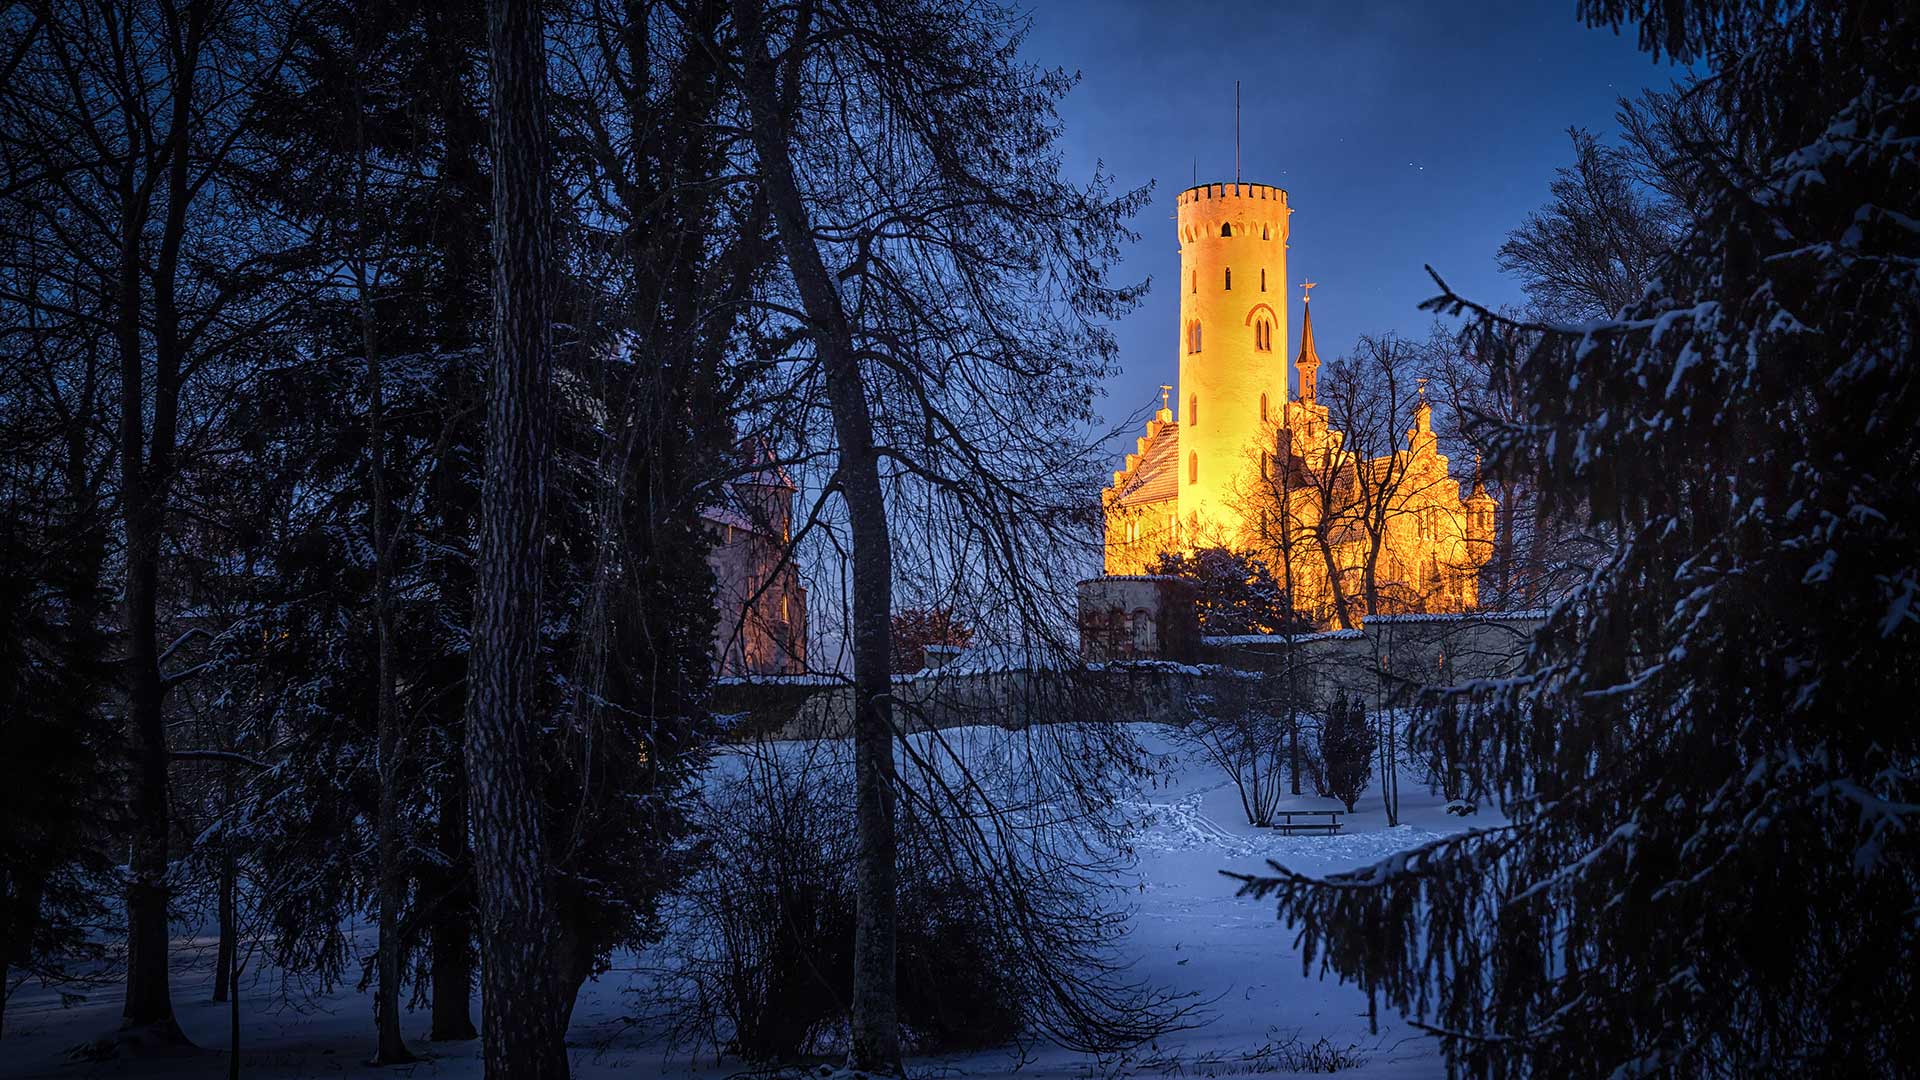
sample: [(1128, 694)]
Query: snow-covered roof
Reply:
[(1462, 616), (1279, 639), (986, 659), (810, 679)]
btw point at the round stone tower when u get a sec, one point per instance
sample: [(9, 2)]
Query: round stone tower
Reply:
[(1233, 349)]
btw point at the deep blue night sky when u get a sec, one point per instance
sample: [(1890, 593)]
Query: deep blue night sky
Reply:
[(1404, 133)]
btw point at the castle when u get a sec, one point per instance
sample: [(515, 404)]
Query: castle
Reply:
[(762, 623), (1245, 465)]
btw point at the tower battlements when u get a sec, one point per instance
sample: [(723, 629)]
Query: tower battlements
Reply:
[(1253, 211)]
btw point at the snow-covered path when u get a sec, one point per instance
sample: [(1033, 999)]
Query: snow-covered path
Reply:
[(1189, 933)]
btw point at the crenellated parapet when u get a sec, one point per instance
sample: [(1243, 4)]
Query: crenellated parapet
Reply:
[(1248, 211)]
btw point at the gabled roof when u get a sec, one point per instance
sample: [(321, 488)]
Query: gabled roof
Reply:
[(1156, 478)]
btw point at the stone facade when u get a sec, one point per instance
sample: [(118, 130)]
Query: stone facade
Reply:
[(762, 624), (1146, 615)]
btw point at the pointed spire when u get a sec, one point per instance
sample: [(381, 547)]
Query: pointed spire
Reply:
[(1479, 487), (1308, 363)]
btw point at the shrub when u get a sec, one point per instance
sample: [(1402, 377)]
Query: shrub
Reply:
[(760, 963), (1346, 748)]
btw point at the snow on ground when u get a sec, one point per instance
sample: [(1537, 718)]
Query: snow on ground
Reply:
[(1189, 933)]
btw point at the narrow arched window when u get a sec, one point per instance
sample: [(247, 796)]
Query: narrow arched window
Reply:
[(1263, 279), (1226, 230), (1266, 469), (1193, 336), (1229, 279), (1193, 468), (1193, 409), (1263, 408), (1266, 232), (1195, 286)]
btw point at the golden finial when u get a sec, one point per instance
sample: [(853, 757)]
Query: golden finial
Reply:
[(1306, 290), (1165, 391)]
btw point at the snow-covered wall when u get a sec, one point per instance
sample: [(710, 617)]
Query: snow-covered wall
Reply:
[(1385, 664)]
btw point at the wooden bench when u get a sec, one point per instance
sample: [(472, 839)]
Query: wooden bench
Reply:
[(1287, 824)]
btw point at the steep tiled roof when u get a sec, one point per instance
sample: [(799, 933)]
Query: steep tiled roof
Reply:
[(1157, 477)]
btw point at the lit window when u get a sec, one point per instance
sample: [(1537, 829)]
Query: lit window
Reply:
[(1193, 468)]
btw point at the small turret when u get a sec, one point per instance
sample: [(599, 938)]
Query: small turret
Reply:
[(1421, 438), (1308, 363), (1480, 509)]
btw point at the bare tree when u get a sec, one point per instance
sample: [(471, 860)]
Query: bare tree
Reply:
[(125, 125), (1248, 725), (1597, 245), (939, 268), (1537, 555)]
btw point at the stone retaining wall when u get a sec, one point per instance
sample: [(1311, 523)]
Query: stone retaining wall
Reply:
[(1386, 664)]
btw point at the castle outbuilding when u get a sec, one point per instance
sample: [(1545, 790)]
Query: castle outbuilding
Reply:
[(762, 624), (1232, 460)]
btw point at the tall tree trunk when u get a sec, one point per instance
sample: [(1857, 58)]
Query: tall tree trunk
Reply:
[(390, 1048), (146, 468), (876, 1028), (453, 918), (520, 1008), (233, 1017), (223, 958), (147, 1014)]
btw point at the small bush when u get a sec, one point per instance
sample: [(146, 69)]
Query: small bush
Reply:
[(760, 963)]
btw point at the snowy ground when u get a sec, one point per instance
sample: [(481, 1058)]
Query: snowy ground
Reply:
[(1189, 934)]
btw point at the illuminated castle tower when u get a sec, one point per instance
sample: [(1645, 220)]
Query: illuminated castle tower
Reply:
[(1233, 348), (1230, 461)]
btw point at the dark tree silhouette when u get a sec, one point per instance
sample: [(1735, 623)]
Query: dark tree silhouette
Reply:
[(522, 1016), (1727, 699), (1346, 750)]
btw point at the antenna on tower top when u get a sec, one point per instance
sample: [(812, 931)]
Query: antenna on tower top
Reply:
[(1236, 131)]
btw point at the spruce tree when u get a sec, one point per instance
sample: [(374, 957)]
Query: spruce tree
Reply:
[(1712, 774)]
